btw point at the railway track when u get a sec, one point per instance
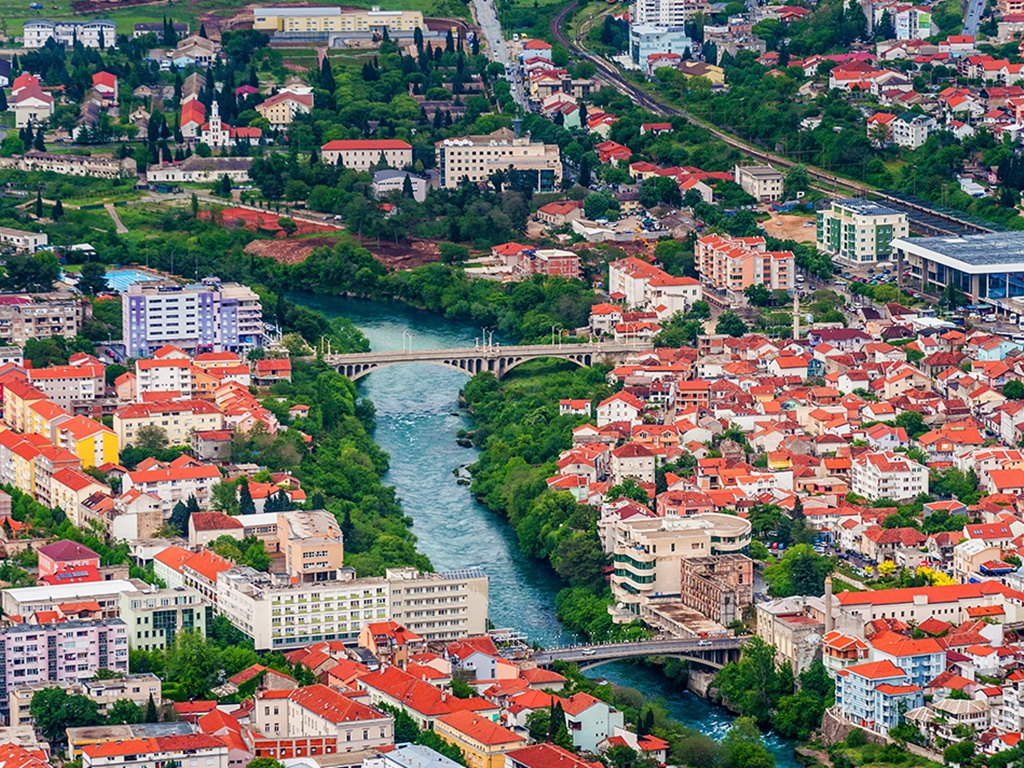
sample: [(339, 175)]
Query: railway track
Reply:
[(924, 220)]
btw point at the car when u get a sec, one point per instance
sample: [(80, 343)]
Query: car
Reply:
[(871, 270), (588, 652), (704, 643)]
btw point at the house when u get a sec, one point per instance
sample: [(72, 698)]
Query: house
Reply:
[(281, 108), (559, 213), (590, 720), (482, 741), (105, 86), (31, 105), (68, 562), (621, 406), (888, 475)]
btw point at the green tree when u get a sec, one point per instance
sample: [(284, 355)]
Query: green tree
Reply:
[(93, 279), (631, 489), (54, 711), (151, 438), (264, 762), (288, 225), (39, 205), (246, 506), (730, 324), (1014, 389), (58, 207), (152, 715), (192, 662), (756, 683), (758, 295), (743, 746), (797, 180), (801, 571), (126, 712), (913, 422), (538, 723)]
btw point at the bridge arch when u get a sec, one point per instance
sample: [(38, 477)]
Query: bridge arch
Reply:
[(498, 365), (583, 667)]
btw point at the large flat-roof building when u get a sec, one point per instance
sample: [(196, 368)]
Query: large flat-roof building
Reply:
[(988, 268), (476, 158), (860, 231), (762, 182), (294, 21)]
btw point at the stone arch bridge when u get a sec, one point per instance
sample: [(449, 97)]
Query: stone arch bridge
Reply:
[(495, 358)]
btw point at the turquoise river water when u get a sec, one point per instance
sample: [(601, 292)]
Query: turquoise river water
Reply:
[(417, 418)]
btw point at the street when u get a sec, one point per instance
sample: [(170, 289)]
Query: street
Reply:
[(973, 17), (487, 17)]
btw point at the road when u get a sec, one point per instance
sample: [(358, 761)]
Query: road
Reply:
[(973, 17), (487, 18), (121, 228), (653, 647)]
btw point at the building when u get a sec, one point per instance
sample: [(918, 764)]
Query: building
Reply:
[(297, 22), (210, 316), (24, 317), (32, 106), (482, 741), (281, 108), (788, 624), (316, 710), (157, 28), (590, 721), (100, 166), (646, 286), (409, 756), (762, 182), (158, 752), (647, 553), (364, 154), (718, 587), (666, 13), (176, 481), (178, 420), (98, 33), (217, 134), (201, 170), (138, 689), (59, 652), (646, 40), (388, 182), (25, 601), (476, 158), (988, 268), (730, 264), (423, 702), (439, 606), (67, 562), (860, 231), (22, 241), (888, 475), (65, 385), (912, 129), (155, 617), (875, 695)]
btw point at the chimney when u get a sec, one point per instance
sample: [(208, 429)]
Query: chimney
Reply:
[(828, 603), (444, 695), (517, 126)]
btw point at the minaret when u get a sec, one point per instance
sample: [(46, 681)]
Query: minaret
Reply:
[(828, 604), (796, 315)]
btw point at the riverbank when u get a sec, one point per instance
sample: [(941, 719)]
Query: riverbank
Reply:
[(418, 419)]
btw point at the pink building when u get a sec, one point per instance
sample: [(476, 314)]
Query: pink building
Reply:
[(67, 562)]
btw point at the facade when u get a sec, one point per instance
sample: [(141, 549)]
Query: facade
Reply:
[(202, 170), (154, 618), (874, 695), (363, 154), (646, 40), (860, 231), (59, 652), (157, 752), (439, 606), (912, 129), (718, 587), (22, 241), (482, 741), (98, 33), (730, 264), (787, 624), (762, 182), (312, 20), (100, 166), (476, 158), (647, 553), (281, 108), (888, 475), (178, 420), (665, 13), (67, 384), (316, 710)]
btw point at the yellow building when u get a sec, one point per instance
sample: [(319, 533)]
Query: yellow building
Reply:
[(178, 419), (44, 417), (23, 455), (90, 441), (306, 20), (482, 741), (281, 108), (702, 69), (18, 398)]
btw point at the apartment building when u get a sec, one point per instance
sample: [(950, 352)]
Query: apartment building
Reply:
[(207, 316), (200, 170), (93, 443), (25, 601), (888, 475), (281, 108), (59, 652), (647, 553), (476, 158), (24, 317), (644, 285), (295, 21), (482, 741), (155, 617), (666, 13), (362, 154), (135, 688), (439, 606), (68, 384), (178, 419), (164, 375), (875, 695), (730, 264), (860, 231), (173, 482), (98, 33), (762, 182), (22, 240)]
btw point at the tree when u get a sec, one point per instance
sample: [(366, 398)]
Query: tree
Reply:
[(125, 712), (264, 762), (801, 571), (151, 438), (596, 205), (152, 715), (3, 100), (538, 723), (1014, 389), (912, 422), (743, 746), (451, 253), (39, 205), (246, 506), (58, 207), (93, 279), (288, 225), (758, 295), (730, 324), (192, 662), (631, 489), (54, 711), (959, 753), (797, 180), (38, 143), (621, 756)]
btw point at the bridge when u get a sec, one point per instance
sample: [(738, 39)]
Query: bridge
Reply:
[(712, 652), (495, 358)]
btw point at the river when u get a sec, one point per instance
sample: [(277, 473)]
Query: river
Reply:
[(417, 420)]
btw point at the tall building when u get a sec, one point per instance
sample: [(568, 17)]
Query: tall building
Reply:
[(155, 617), (476, 158), (859, 230), (201, 317), (58, 652), (665, 13), (730, 264)]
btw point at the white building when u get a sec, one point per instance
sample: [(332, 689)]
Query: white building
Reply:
[(165, 375), (860, 230), (361, 154), (762, 182), (25, 242), (98, 33), (387, 182), (665, 13), (912, 129), (192, 750), (887, 475)]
